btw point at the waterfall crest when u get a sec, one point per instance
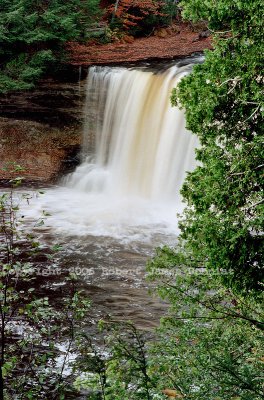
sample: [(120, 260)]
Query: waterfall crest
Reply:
[(135, 144)]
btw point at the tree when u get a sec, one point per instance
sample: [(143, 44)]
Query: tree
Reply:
[(32, 34), (222, 225), (139, 17)]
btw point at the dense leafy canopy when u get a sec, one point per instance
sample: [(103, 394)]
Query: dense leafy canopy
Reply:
[(32, 34), (223, 223)]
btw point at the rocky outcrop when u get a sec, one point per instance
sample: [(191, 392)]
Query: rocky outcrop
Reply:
[(41, 130)]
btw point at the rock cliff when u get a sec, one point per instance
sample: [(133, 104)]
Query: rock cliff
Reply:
[(41, 129)]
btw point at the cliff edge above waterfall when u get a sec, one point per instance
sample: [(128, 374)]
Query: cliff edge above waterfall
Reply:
[(179, 40)]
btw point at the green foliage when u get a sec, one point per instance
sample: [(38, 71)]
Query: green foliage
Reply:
[(16, 274), (211, 342), (22, 71), (30, 22), (222, 226), (32, 34)]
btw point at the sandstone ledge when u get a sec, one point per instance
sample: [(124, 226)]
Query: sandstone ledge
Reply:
[(43, 151)]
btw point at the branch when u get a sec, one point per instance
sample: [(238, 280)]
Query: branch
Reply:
[(254, 112), (255, 204), (236, 79)]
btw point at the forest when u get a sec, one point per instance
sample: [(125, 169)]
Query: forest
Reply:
[(208, 343)]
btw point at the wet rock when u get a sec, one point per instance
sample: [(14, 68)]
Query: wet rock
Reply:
[(54, 103)]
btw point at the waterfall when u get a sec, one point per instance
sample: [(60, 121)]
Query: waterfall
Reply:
[(135, 144), (135, 155)]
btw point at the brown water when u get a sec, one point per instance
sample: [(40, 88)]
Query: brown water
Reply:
[(112, 275)]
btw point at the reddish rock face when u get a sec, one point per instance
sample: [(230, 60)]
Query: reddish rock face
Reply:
[(41, 130), (43, 151)]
